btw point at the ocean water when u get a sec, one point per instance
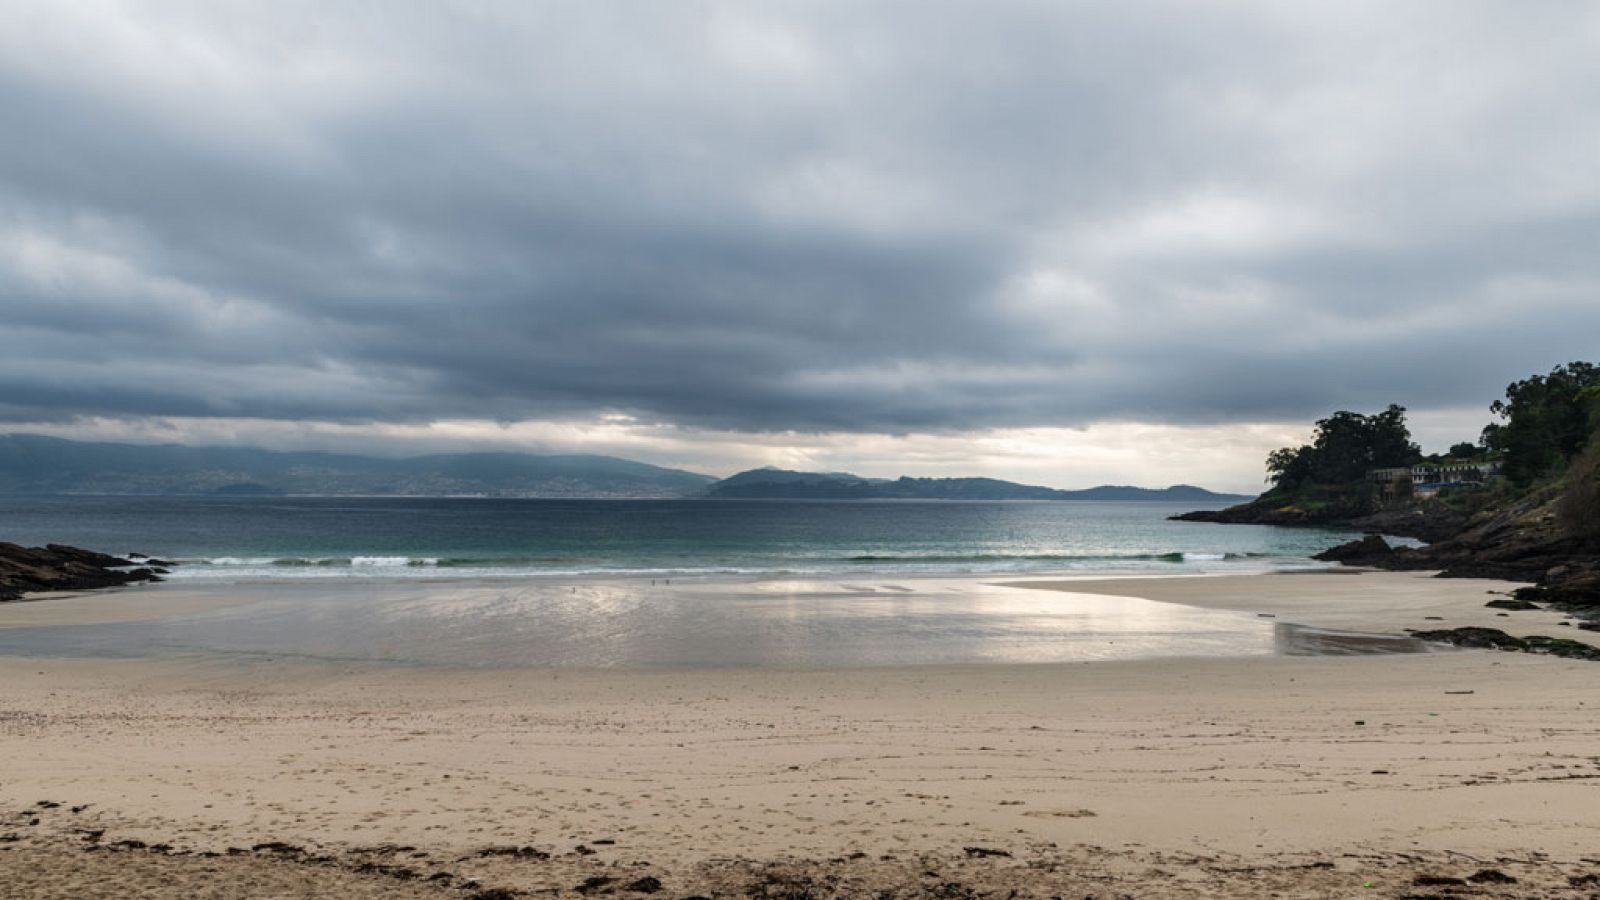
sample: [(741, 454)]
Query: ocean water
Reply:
[(661, 583), (249, 539)]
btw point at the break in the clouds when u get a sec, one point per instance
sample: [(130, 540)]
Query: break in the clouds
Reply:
[(791, 218)]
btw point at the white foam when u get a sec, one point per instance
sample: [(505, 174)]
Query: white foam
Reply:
[(388, 562)]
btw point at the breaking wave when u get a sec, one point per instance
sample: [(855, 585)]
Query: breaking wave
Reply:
[(398, 566)]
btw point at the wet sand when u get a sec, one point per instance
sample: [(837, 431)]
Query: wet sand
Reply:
[(1304, 776)]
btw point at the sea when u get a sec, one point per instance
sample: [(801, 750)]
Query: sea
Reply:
[(271, 538), (650, 584)]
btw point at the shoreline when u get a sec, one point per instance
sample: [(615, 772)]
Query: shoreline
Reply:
[(1155, 777)]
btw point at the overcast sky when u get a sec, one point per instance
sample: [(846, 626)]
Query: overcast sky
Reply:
[(1060, 242)]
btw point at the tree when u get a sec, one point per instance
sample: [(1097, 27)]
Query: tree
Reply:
[(1464, 450), (1545, 422), (1288, 466), (1344, 447)]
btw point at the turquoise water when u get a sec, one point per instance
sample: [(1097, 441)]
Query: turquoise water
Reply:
[(664, 583), (297, 538)]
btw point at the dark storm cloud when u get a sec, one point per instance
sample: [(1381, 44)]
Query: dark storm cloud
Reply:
[(856, 216)]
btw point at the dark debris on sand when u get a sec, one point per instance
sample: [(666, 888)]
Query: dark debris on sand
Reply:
[(137, 865)]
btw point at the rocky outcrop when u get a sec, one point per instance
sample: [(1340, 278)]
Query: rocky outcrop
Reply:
[(1495, 639), (1517, 540), (1513, 539), (1368, 551), (1433, 522), (57, 567), (1268, 510)]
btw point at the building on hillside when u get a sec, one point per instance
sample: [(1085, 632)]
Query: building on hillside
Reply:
[(1426, 480), (1392, 483)]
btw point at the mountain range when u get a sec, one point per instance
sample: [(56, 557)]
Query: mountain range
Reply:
[(39, 465), (33, 464), (780, 483)]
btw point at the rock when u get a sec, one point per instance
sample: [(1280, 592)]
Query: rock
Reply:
[(1338, 509), (1478, 638), (1562, 647), (1368, 550), (1495, 639), (646, 885), (1515, 603), (57, 567)]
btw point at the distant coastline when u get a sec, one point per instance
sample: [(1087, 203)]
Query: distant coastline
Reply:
[(38, 465)]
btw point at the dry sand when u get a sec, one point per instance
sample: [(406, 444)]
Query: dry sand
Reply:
[(1294, 776)]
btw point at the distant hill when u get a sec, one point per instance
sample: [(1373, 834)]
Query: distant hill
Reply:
[(784, 484), (34, 464)]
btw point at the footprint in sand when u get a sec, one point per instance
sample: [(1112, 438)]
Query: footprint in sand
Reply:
[(1061, 814)]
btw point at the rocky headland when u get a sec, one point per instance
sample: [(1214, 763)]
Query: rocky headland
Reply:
[(57, 567), (1429, 522), (1522, 540)]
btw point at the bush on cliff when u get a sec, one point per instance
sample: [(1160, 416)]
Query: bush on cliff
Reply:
[(1547, 421), (1578, 510)]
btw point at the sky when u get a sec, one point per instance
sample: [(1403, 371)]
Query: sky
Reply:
[(1064, 243)]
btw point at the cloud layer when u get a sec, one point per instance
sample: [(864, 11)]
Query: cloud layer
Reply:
[(853, 217)]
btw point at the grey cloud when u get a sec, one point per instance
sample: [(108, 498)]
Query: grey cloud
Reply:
[(792, 216)]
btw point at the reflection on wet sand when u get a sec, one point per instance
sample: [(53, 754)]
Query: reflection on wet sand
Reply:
[(1299, 640), (695, 623)]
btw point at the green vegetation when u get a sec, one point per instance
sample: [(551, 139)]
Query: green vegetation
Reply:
[(1344, 448), (1579, 507), (1547, 420), (1547, 440)]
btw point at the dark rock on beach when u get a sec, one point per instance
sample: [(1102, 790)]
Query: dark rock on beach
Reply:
[(57, 567), (1495, 639), (1479, 638), (1367, 551)]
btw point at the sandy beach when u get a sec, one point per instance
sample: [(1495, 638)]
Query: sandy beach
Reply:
[(1177, 777)]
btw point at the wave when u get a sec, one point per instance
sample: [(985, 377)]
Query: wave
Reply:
[(1174, 556), (382, 562), (405, 566), (376, 562)]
